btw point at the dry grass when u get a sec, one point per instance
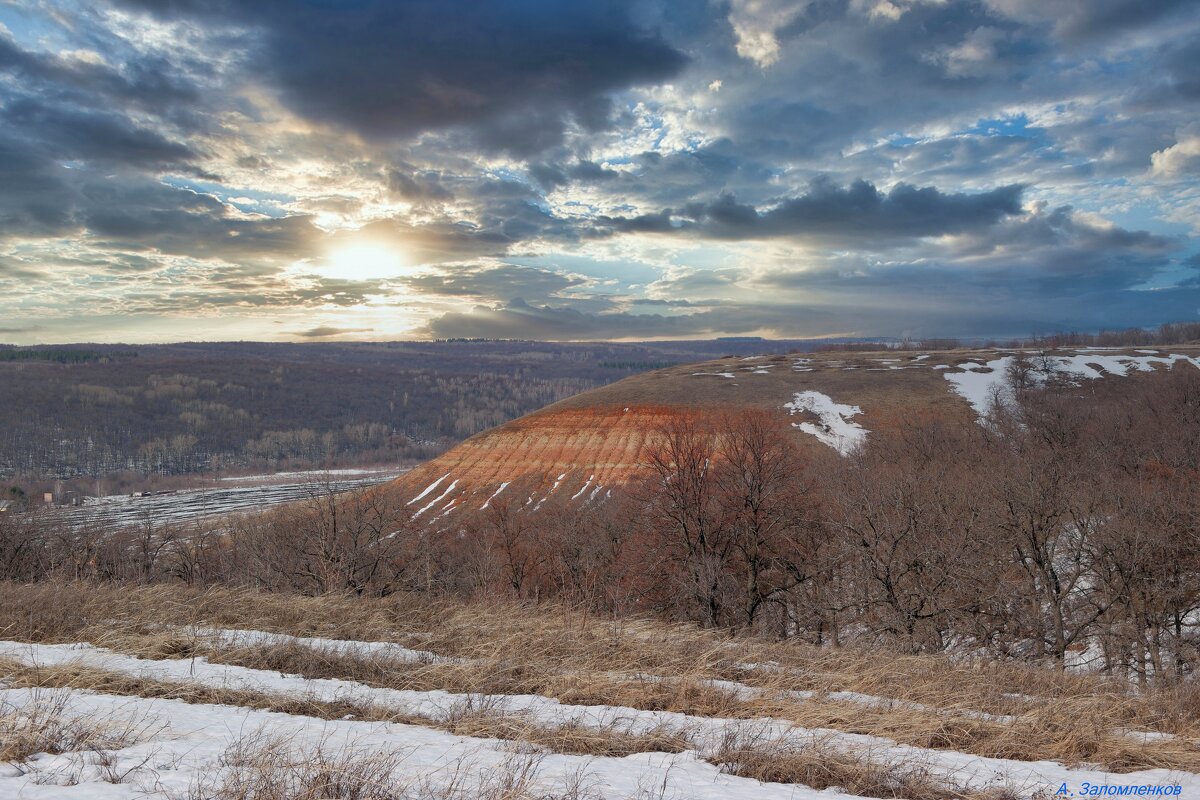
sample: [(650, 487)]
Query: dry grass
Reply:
[(570, 655), (819, 763), (484, 717), (259, 767), (1069, 729), (685, 695), (41, 725), (476, 718), (265, 768)]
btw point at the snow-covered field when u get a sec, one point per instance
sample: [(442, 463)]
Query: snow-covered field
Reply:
[(308, 474), (188, 504), (178, 747)]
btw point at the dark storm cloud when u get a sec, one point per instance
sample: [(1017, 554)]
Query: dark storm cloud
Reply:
[(229, 289), (859, 213), (1084, 22), (1057, 242), (1182, 75), (95, 136), (519, 319), (148, 83), (133, 213), (957, 311), (657, 179), (507, 281), (1048, 252), (415, 186), (37, 197), (843, 78), (512, 70)]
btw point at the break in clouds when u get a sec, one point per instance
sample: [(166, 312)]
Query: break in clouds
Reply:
[(279, 170)]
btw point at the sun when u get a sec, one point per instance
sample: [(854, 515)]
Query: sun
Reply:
[(364, 261)]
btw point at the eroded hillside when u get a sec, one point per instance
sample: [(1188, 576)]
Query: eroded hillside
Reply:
[(586, 445)]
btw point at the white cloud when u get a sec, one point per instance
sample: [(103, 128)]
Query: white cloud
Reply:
[(755, 23), (974, 57), (1180, 159)]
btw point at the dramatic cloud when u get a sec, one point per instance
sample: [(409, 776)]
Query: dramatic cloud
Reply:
[(515, 70), (859, 215), (630, 169)]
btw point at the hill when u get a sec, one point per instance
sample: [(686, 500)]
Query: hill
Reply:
[(589, 443)]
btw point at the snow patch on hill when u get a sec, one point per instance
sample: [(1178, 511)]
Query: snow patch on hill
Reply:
[(983, 384), (834, 427)]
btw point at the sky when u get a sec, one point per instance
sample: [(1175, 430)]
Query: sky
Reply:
[(315, 170)]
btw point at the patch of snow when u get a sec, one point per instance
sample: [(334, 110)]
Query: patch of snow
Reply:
[(351, 648), (835, 428), (309, 473), (717, 374), (428, 489), (439, 498), (980, 383), (584, 489), (449, 507), (488, 502)]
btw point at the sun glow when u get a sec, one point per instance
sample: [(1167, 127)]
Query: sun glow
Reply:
[(364, 261)]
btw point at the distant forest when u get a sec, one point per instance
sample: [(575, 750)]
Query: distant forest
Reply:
[(85, 410)]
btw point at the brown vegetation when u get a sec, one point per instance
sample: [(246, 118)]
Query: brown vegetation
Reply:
[(820, 763), (555, 651), (41, 725)]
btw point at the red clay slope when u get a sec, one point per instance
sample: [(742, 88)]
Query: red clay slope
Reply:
[(588, 444)]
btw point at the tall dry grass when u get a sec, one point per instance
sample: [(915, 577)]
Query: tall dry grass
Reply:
[(474, 717), (562, 652), (262, 767), (1069, 729), (751, 752), (40, 723)]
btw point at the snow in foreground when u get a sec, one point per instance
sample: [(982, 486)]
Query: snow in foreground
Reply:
[(191, 739), (185, 742)]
